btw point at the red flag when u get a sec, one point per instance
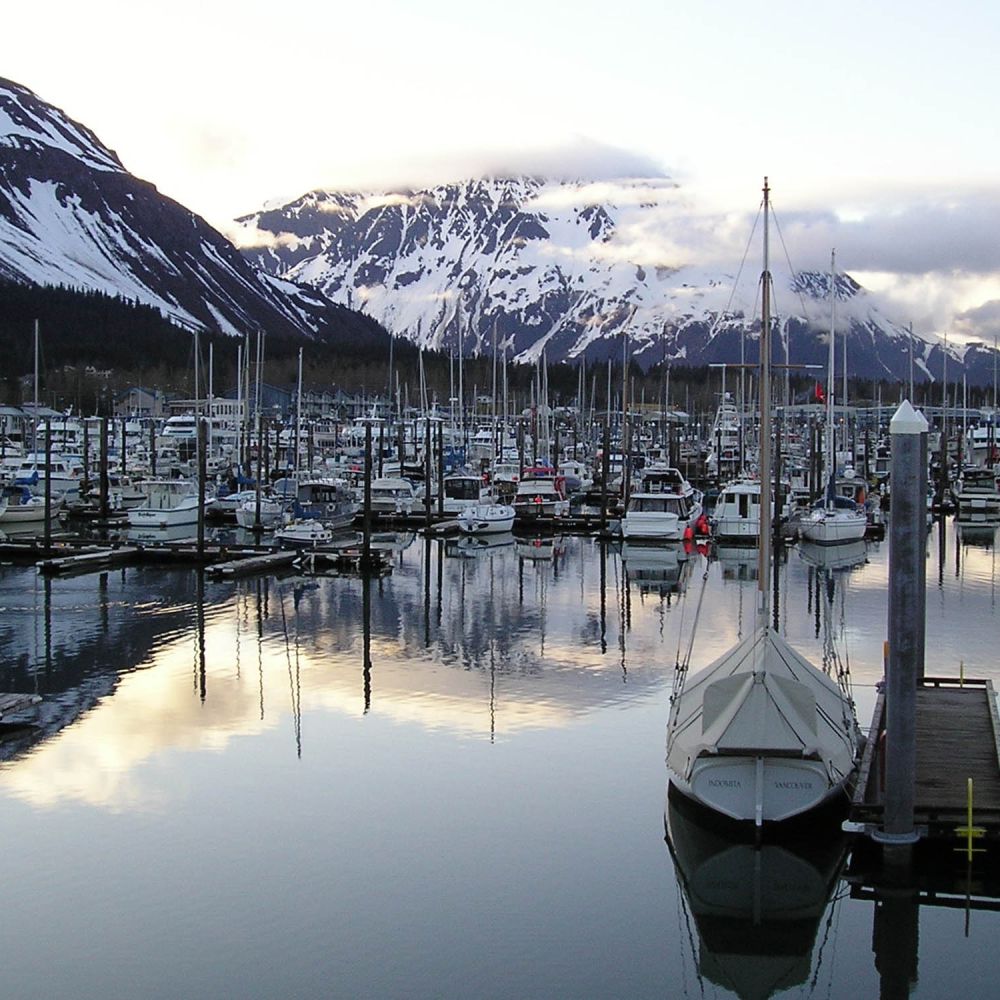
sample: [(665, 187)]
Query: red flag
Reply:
[(820, 396)]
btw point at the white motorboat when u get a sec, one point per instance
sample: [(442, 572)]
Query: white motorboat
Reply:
[(460, 490), (664, 507), (761, 735), (169, 503), (22, 507), (737, 512), (540, 493), (64, 476), (392, 495), (486, 518), (304, 532), (976, 493), (327, 499)]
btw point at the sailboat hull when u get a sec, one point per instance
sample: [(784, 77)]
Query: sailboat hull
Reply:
[(758, 789), (833, 527)]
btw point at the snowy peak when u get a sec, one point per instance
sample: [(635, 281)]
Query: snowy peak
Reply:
[(29, 124), (565, 267)]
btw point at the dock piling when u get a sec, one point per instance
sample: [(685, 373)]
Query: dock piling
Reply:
[(906, 620)]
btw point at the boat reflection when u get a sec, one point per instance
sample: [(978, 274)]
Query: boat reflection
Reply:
[(662, 569), (737, 562), (471, 546), (757, 909), (834, 557), (978, 533), (540, 547)]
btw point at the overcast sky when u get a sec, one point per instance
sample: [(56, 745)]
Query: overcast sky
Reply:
[(876, 122)]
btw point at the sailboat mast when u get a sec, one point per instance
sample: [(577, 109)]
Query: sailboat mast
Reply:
[(829, 375), (764, 551), (34, 412)]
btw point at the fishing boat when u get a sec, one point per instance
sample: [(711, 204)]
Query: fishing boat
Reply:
[(761, 735), (486, 519), (169, 503), (834, 519)]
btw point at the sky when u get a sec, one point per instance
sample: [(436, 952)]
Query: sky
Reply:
[(876, 122)]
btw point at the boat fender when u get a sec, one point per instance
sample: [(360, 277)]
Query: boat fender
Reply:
[(688, 533)]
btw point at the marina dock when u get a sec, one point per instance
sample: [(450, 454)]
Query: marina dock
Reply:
[(958, 739)]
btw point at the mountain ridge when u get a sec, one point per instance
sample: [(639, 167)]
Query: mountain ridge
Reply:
[(72, 215), (564, 267)]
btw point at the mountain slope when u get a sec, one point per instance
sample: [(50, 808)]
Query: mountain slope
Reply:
[(564, 267), (70, 214)]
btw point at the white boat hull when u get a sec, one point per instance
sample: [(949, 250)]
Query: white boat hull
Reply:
[(759, 788), (25, 513), (665, 527), (186, 512), (830, 528), (486, 519)]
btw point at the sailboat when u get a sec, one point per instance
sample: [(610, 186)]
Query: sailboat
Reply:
[(761, 735), (833, 520)]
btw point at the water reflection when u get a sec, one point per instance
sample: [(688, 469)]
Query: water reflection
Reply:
[(757, 910), (484, 640), (663, 570)]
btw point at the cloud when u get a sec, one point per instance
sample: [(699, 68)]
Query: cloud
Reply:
[(578, 157), (980, 323), (941, 234)]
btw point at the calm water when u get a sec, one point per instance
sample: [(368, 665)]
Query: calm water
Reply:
[(447, 783)]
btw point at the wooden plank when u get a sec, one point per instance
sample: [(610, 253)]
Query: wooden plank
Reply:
[(957, 738)]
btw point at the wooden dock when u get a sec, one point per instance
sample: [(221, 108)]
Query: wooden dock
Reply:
[(88, 561), (250, 565), (958, 738)]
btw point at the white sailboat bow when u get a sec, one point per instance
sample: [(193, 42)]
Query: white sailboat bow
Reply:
[(761, 735)]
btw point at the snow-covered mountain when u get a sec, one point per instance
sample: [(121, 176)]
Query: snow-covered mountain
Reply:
[(71, 214), (566, 267)]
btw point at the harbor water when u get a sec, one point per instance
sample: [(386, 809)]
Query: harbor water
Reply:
[(448, 781)]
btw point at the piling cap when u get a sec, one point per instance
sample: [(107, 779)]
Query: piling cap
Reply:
[(907, 420)]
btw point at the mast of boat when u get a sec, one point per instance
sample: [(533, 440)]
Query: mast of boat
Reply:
[(298, 419), (34, 415), (764, 550), (911, 362), (830, 444)]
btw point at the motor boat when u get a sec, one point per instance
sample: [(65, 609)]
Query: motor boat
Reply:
[(304, 532), (664, 507), (169, 503), (486, 518)]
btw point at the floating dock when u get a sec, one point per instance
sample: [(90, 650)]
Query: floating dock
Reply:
[(249, 565), (958, 739), (88, 562)]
